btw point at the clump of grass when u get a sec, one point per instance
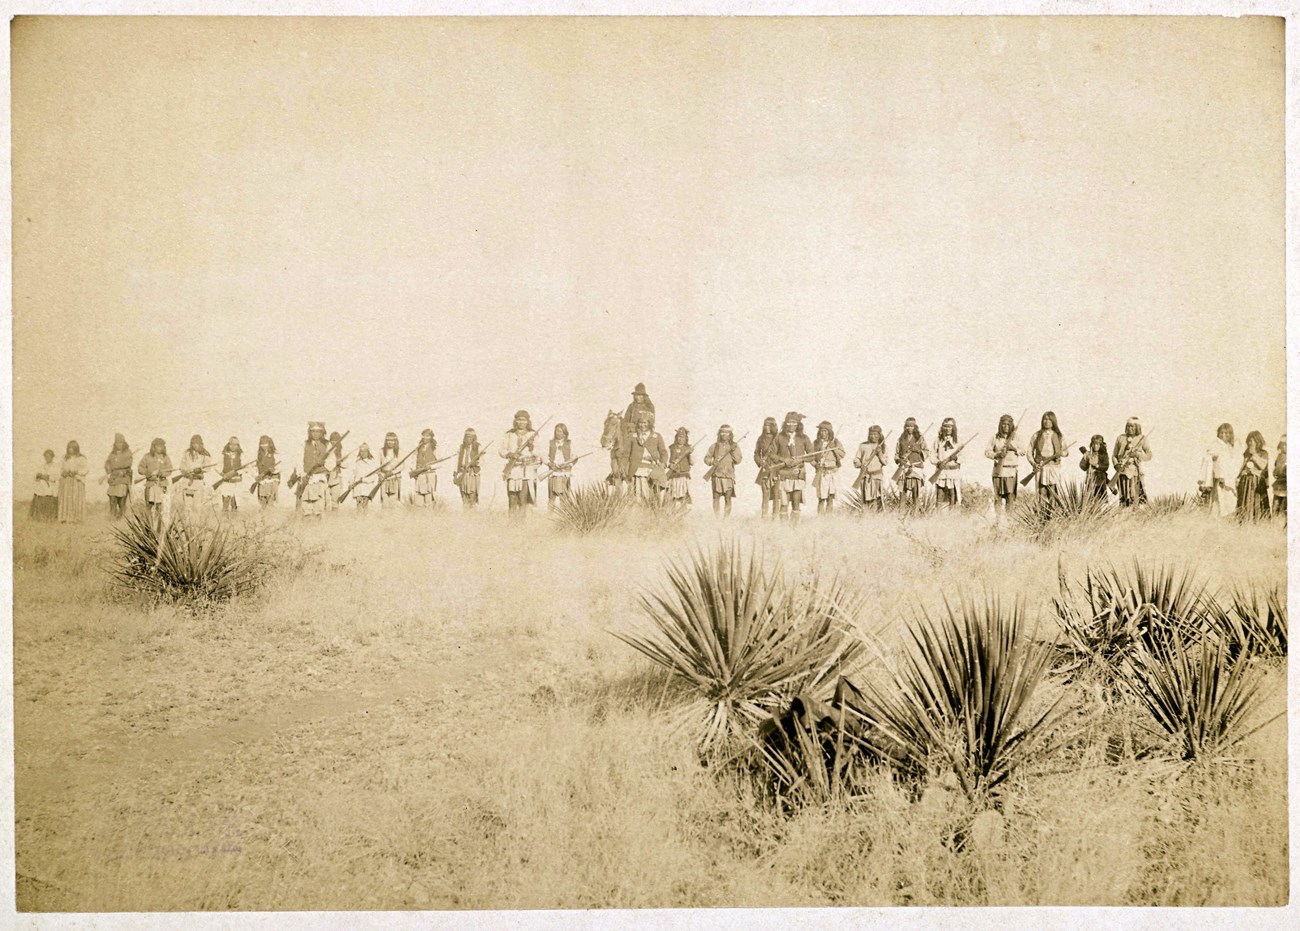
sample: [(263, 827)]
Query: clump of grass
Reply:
[(1197, 694), (975, 499), (190, 562), (808, 751), (586, 509), (745, 638), (964, 697)]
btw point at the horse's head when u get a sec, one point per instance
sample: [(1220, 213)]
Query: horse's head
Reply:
[(612, 429)]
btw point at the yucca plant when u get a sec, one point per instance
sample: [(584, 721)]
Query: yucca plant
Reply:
[(964, 697), (188, 561), (588, 508), (1252, 621), (1197, 694), (1115, 611), (1073, 508), (896, 501), (1170, 504), (744, 637)]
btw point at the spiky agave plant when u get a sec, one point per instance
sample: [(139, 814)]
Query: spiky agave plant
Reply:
[(1072, 509), (1252, 621), (589, 508), (1170, 504), (896, 501), (744, 637), (1197, 694), (189, 561), (964, 695), (1115, 611)]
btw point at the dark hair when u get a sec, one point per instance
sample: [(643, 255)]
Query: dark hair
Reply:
[(1257, 438)]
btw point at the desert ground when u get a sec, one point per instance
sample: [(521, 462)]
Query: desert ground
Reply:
[(429, 710)]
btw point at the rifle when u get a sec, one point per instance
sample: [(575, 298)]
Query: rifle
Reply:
[(261, 476), (301, 480), (949, 458), (1038, 468), (227, 476), (416, 473), (566, 464), (902, 466), (764, 468), (390, 472), (829, 449), (1015, 428), (519, 453), (145, 478), (1113, 484), (455, 476), (672, 463), (708, 475), (189, 473), (104, 478)]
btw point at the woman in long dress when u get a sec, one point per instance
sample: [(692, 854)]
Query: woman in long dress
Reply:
[(117, 471), (45, 496), (1252, 480), (1216, 466), (72, 486)]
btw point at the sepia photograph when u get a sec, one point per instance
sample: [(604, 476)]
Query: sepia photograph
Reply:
[(472, 463)]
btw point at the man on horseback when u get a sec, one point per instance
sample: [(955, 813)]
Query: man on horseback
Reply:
[(641, 404)]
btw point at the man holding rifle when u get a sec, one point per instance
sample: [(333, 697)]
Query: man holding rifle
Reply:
[(362, 481), (947, 457), (466, 476), (1005, 449), (313, 485), (194, 462), (155, 466), (424, 473), (768, 466), (870, 463), (722, 459), (520, 474), (793, 450), (829, 454), (267, 484), (1131, 450), (646, 459), (910, 456)]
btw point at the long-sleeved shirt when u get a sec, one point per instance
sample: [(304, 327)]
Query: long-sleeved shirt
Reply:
[(192, 460), (520, 444), (1010, 449), (47, 479), (723, 457), (364, 484), (789, 448), (1130, 452), (871, 459)]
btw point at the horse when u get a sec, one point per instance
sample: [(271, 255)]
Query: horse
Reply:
[(611, 438)]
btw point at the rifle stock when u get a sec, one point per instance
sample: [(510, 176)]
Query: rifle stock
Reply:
[(709, 473), (391, 472), (1033, 472), (1113, 484), (902, 466), (949, 458)]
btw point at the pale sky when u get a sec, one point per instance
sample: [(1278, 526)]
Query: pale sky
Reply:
[(232, 226)]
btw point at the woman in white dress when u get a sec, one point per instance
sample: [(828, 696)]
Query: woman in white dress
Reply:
[(1218, 468)]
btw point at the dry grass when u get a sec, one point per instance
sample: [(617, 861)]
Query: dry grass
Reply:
[(431, 713)]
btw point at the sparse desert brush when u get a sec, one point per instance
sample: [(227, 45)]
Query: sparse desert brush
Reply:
[(588, 508), (194, 562), (1073, 510), (895, 500), (1197, 693), (964, 697), (745, 636)]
